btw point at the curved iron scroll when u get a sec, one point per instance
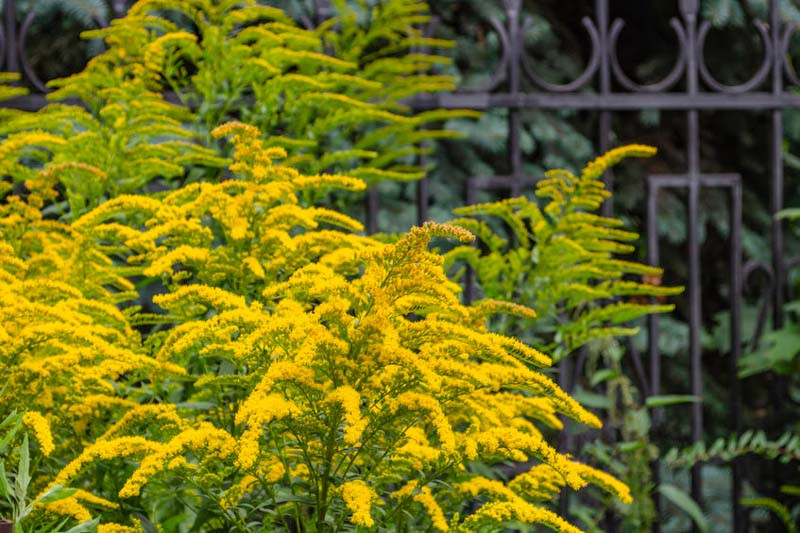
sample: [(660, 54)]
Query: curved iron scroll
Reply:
[(750, 268), (584, 77), (669, 80), (35, 80), (788, 68), (757, 78), (501, 72)]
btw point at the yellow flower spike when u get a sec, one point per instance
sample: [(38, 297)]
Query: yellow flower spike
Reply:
[(350, 401), (605, 481), (417, 401), (425, 498), (596, 168), (117, 528), (41, 430), (254, 266), (359, 497), (69, 507), (213, 442)]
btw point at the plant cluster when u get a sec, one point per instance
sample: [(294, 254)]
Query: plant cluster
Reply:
[(196, 341), (298, 373)]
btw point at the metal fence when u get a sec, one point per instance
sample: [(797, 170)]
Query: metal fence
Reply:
[(604, 88)]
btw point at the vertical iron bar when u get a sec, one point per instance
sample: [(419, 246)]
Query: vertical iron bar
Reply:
[(469, 277), (423, 193), (653, 334), (604, 141), (372, 209), (423, 185), (776, 195), (695, 309), (690, 8), (513, 8), (322, 10), (10, 29), (604, 144), (736, 342)]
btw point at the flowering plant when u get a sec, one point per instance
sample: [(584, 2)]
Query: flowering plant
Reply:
[(327, 380)]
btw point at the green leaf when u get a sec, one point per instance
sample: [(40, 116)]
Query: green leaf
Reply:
[(670, 399), (792, 490), (627, 447), (790, 213), (55, 493), (780, 510), (5, 490), (84, 527), (15, 419), (603, 375), (590, 399), (686, 504), (23, 477)]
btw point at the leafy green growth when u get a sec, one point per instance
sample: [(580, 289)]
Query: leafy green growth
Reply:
[(560, 260), (331, 97), (785, 449), (131, 138)]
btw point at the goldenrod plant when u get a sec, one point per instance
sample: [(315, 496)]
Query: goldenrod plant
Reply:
[(299, 376), (16, 503), (330, 97), (132, 139), (283, 371)]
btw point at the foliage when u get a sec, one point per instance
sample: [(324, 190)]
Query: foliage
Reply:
[(779, 349), (297, 374), (15, 483), (785, 449)]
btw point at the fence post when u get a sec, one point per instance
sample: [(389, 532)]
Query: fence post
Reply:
[(6, 526)]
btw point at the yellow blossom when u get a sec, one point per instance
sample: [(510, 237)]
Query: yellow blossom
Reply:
[(351, 403), (358, 497), (41, 430)]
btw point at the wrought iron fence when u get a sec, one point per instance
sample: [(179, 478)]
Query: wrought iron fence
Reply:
[(605, 88)]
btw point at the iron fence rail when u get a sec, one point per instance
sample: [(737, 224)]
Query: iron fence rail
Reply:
[(603, 87)]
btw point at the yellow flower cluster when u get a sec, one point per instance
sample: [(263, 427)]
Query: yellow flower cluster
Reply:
[(210, 442), (331, 364), (41, 429), (358, 498)]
